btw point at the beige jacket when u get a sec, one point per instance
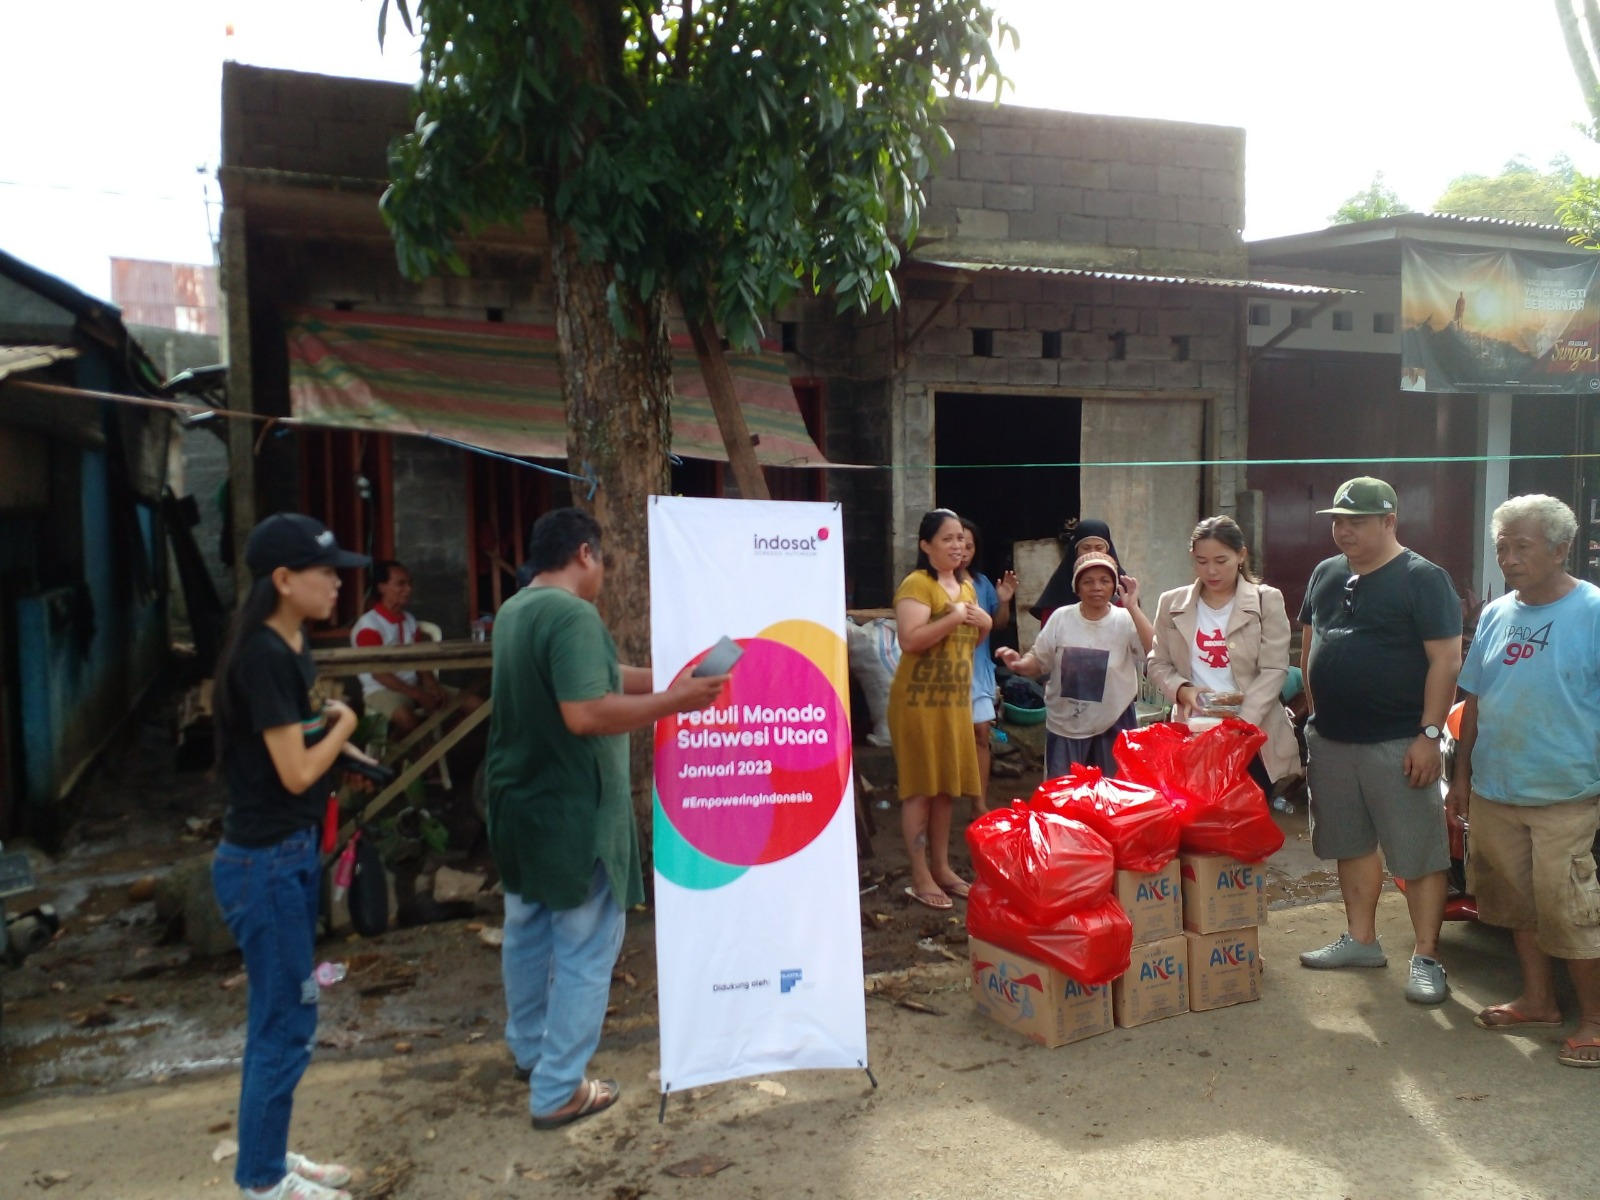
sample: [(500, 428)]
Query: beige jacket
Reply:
[(1258, 651)]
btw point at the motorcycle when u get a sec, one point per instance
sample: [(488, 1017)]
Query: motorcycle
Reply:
[(27, 932)]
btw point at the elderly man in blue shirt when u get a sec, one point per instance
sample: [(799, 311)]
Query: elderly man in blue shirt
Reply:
[(1527, 770)]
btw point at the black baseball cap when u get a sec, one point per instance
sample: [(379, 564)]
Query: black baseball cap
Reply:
[(296, 541)]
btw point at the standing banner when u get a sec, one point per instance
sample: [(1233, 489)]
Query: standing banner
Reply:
[(1501, 321), (758, 918)]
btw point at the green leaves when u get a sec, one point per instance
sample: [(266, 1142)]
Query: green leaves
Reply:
[(734, 152)]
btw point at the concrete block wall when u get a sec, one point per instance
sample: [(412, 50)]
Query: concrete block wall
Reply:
[(1030, 185), (1116, 340), (314, 124)]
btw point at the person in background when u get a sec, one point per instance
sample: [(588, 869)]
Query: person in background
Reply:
[(278, 747), (1526, 774), (939, 623), (1091, 654), (1228, 632), (402, 697), (1380, 649), (995, 599), (1088, 536), (561, 824)]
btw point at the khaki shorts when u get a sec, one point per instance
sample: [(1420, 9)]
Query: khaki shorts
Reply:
[(1532, 867)]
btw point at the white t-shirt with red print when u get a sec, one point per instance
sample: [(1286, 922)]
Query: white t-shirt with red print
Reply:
[(1209, 667), (380, 627)]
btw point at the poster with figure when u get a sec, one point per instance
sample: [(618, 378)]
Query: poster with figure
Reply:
[(1499, 321), (758, 921)]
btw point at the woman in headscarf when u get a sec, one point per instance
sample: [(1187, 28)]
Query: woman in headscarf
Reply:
[(1086, 537)]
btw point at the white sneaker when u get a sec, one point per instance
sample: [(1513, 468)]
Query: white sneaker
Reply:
[(327, 1174), (294, 1187)]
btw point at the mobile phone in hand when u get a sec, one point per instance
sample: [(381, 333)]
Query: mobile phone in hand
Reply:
[(721, 660)]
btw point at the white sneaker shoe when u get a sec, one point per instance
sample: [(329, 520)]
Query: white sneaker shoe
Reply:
[(295, 1187), (327, 1174)]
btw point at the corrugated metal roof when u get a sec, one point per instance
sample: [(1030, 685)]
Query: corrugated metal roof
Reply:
[(16, 359), (1249, 286)]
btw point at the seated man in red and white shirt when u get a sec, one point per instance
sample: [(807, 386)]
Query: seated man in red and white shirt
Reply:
[(399, 695)]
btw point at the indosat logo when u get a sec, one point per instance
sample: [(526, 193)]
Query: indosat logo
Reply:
[(779, 544)]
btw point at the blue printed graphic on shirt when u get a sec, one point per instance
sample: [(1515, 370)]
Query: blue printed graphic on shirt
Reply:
[(1536, 672)]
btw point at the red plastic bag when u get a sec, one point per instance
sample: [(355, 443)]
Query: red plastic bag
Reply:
[(1092, 945), (1043, 864), (1206, 776), (1138, 821)]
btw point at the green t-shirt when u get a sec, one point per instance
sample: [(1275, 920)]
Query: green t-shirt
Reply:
[(558, 802)]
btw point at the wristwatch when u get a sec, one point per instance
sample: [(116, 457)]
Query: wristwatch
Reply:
[(1431, 732)]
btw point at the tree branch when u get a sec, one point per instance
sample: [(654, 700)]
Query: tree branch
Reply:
[(1578, 52)]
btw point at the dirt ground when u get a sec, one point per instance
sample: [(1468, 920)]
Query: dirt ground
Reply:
[(120, 1048)]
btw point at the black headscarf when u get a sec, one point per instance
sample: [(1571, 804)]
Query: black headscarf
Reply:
[(1058, 593)]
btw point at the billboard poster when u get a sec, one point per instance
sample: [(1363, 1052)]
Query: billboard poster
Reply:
[(758, 922), (1499, 321)]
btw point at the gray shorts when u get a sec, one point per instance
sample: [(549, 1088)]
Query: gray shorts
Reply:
[(1361, 802)]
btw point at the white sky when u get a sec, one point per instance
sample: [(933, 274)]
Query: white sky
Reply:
[(112, 108)]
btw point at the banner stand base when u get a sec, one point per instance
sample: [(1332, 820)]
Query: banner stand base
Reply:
[(661, 1113)]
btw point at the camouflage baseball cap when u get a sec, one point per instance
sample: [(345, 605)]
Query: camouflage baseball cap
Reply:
[(1363, 496)]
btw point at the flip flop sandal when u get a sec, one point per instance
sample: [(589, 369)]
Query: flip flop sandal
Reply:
[(601, 1095), (926, 899), (1566, 1057), (960, 889), (1518, 1021)]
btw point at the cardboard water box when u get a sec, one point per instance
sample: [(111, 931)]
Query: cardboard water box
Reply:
[(1221, 893), (1224, 968), (1155, 985), (1037, 1001), (1153, 902)]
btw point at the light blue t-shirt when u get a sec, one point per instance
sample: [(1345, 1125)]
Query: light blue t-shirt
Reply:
[(1536, 672), (982, 660)]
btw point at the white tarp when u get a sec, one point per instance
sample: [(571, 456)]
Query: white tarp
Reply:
[(758, 925)]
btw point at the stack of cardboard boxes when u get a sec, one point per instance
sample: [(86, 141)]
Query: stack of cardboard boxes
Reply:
[(1195, 948), (1224, 901), (1156, 983)]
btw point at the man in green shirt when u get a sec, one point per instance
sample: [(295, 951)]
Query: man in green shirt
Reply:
[(561, 824)]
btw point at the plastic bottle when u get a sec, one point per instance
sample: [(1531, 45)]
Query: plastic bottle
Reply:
[(345, 869), (329, 973), (1282, 804)]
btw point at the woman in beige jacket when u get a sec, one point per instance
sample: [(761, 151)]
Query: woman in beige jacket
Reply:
[(1226, 632)]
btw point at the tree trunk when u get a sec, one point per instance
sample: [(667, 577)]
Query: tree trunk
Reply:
[(617, 392), (730, 417)]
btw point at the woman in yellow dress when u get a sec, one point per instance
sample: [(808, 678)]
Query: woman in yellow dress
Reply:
[(930, 703)]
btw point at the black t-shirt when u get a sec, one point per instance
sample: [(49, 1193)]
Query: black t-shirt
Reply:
[(1368, 664), (272, 687)]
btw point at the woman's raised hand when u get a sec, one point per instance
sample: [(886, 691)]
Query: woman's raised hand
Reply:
[(1007, 656), (1006, 586)]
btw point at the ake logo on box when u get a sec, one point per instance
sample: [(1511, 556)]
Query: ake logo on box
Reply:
[(1159, 888), (1158, 970), (1238, 879), (1012, 994), (1082, 991), (1235, 954)]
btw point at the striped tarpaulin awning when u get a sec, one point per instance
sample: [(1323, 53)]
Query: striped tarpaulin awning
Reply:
[(498, 386)]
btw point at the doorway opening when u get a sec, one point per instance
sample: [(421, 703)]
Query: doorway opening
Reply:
[(979, 440)]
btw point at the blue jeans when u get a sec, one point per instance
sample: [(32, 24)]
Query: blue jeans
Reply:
[(557, 967), (269, 895)]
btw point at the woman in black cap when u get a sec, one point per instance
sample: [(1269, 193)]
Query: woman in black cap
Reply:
[(277, 746)]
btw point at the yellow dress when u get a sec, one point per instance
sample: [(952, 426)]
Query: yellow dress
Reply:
[(930, 702)]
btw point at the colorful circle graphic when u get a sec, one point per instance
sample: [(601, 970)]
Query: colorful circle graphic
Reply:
[(758, 776)]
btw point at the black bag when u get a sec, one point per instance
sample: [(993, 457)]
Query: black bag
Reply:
[(369, 890)]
